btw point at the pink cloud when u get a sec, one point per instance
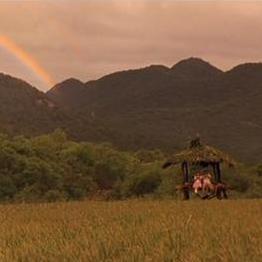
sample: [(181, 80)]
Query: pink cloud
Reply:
[(91, 38)]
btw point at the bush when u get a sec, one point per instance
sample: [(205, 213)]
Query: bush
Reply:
[(144, 182), (7, 187), (54, 195), (51, 168)]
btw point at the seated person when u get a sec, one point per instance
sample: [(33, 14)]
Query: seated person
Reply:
[(207, 184), (197, 184)]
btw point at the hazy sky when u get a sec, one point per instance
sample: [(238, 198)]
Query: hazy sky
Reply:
[(87, 39)]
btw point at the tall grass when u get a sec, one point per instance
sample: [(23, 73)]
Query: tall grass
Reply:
[(135, 230)]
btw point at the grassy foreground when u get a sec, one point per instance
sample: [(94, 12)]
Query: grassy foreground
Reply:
[(132, 230)]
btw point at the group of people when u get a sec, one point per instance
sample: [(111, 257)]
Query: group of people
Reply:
[(203, 182)]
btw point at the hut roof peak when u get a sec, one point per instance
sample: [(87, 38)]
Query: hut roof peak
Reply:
[(200, 153), (195, 143)]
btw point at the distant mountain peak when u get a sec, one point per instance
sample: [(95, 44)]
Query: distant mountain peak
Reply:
[(247, 67), (67, 90), (68, 84), (194, 66), (71, 81), (156, 67), (193, 61)]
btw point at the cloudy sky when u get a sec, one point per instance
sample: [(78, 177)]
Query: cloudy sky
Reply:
[(88, 39)]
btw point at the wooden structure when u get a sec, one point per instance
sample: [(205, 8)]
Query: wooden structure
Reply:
[(202, 156)]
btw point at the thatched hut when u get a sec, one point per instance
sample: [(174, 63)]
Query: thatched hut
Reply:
[(203, 156)]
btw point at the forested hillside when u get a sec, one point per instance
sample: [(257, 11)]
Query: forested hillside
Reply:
[(160, 107), (25, 110), (152, 108)]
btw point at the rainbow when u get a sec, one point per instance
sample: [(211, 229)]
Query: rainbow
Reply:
[(26, 59)]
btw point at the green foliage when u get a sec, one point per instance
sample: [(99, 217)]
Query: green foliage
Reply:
[(259, 171), (7, 187), (51, 168), (168, 184), (147, 156), (238, 179), (54, 195), (145, 181)]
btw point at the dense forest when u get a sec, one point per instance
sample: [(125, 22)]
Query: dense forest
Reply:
[(52, 167)]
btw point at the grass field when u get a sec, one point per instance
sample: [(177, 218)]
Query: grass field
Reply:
[(135, 230)]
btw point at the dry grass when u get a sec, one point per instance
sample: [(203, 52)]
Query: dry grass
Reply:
[(132, 231)]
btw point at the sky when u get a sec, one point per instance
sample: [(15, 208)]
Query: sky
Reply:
[(45, 42)]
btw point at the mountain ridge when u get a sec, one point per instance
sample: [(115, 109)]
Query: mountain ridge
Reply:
[(151, 107), (234, 68)]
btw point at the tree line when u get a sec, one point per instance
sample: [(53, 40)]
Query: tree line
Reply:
[(52, 167)]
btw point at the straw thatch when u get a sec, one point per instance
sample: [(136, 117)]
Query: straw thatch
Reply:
[(199, 154)]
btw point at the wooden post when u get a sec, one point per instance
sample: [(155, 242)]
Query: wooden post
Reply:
[(186, 180), (218, 173), (186, 173), (183, 172), (214, 171)]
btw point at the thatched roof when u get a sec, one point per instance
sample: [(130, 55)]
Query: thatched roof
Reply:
[(198, 153)]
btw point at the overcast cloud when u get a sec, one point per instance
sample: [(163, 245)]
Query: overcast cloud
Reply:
[(87, 39)]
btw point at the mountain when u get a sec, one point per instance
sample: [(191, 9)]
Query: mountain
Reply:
[(195, 67), (25, 110), (161, 107), (151, 107), (64, 93)]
